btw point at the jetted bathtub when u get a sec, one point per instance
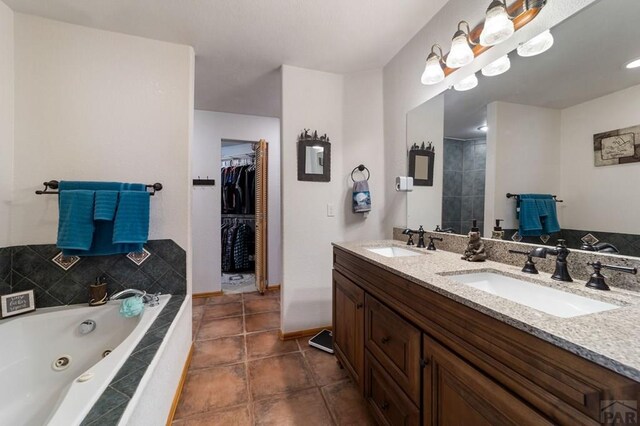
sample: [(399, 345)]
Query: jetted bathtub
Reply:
[(51, 373)]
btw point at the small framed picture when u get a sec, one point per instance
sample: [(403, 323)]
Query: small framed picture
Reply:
[(17, 303)]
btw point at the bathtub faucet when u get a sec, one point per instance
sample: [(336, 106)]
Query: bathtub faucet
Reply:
[(150, 300)]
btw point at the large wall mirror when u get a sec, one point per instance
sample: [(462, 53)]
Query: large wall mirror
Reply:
[(565, 122)]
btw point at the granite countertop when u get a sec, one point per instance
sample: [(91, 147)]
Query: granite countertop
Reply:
[(610, 338)]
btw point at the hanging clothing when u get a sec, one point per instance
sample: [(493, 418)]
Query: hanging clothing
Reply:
[(238, 247), (238, 189)]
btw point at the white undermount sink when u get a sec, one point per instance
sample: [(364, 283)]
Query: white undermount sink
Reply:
[(545, 299), (394, 252)]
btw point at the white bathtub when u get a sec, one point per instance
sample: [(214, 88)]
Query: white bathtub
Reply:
[(32, 391)]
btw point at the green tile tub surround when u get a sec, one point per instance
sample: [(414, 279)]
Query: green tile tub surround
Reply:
[(30, 267), (109, 408)]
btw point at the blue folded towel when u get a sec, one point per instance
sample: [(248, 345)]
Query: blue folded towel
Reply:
[(538, 215), (105, 205), (100, 239), (132, 218), (75, 226)]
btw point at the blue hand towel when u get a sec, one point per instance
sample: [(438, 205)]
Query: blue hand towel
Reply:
[(132, 218), (75, 225), (361, 197), (105, 205), (103, 230), (538, 215)]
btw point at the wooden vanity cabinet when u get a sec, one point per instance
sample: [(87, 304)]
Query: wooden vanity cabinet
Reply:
[(419, 357), (348, 326)]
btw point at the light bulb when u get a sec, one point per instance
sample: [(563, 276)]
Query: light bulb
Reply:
[(537, 45), (497, 25), (460, 54), (483, 128), (466, 83), (497, 67), (433, 72), (633, 64)]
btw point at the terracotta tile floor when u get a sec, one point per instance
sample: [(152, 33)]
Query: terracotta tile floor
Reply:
[(241, 373)]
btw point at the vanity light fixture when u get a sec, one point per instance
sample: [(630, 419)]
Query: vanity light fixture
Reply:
[(433, 72), (498, 25), (537, 45), (633, 64), (497, 67), (466, 83), (461, 53)]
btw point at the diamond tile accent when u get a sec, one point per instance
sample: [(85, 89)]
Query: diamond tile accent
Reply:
[(516, 237), (65, 262), (544, 238), (60, 280), (589, 239), (139, 258)]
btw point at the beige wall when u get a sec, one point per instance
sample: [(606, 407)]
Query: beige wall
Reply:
[(523, 156), (349, 109), (209, 129), (599, 198), (6, 121), (426, 124), (97, 105)]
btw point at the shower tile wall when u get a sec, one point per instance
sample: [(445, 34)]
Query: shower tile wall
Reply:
[(463, 186), (31, 267)]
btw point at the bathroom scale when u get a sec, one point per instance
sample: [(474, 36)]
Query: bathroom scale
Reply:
[(322, 341)]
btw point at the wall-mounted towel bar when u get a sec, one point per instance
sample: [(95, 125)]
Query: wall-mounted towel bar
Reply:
[(53, 184), (517, 197)]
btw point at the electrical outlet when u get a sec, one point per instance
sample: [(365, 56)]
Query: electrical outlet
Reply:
[(331, 210)]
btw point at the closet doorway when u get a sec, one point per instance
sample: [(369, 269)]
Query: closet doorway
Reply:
[(244, 203)]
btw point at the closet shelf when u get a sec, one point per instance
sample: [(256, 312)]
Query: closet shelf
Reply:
[(238, 216)]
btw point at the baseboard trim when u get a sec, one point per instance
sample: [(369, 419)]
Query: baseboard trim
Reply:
[(273, 287), (301, 333), (203, 295), (178, 394)]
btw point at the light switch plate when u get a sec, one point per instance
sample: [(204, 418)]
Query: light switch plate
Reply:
[(331, 210)]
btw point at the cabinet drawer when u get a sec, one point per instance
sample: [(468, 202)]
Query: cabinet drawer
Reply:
[(395, 344), (388, 402)]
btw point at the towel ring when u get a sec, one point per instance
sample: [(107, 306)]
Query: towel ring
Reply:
[(360, 168)]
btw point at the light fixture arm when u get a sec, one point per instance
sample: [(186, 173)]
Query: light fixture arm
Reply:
[(440, 56), (534, 4), (467, 33)]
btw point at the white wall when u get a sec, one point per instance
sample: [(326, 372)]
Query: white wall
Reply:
[(349, 110), (583, 185), (6, 121), (426, 124), (209, 130), (523, 156), (97, 105), (403, 90)]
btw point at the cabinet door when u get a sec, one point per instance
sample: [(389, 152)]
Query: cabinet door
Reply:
[(455, 393), (348, 325)]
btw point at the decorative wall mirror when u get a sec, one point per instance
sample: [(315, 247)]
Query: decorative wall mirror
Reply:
[(314, 157), (421, 163)]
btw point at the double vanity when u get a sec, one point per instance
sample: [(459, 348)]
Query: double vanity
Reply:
[(432, 339)]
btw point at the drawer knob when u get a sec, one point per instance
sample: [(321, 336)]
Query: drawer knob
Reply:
[(385, 340), (359, 305), (385, 405)]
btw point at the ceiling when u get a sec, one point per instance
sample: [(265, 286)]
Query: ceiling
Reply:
[(240, 44), (586, 62)]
